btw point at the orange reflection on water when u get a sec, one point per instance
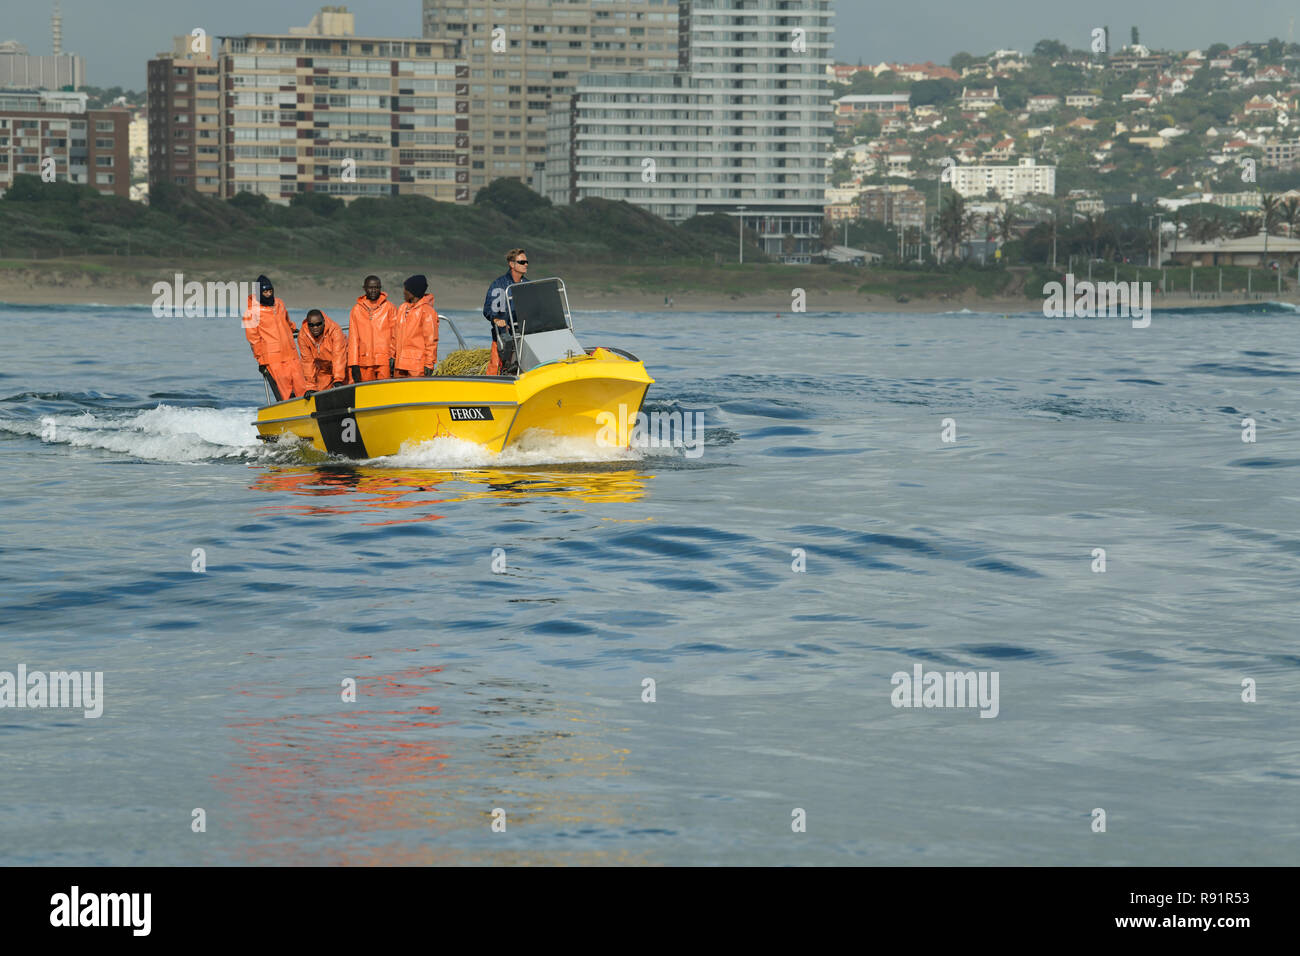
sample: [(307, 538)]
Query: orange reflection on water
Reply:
[(350, 784), (420, 490), (363, 491)]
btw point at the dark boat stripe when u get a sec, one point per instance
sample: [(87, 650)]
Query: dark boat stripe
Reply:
[(335, 414)]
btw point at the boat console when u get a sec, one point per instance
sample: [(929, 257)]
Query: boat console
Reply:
[(541, 323)]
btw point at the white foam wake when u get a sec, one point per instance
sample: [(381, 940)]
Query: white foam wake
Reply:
[(172, 434), (164, 433), (533, 448)]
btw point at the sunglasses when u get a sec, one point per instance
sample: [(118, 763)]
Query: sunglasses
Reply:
[(521, 262)]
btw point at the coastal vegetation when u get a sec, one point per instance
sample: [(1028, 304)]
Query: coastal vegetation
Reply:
[(39, 220), (91, 238)]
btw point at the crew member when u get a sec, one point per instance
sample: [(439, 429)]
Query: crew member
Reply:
[(324, 351), (494, 310), (270, 333), (415, 334), (370, 332)]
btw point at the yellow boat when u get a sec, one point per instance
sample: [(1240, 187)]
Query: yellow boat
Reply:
[(559, 387)]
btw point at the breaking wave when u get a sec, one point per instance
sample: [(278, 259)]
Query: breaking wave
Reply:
[(165, 433)]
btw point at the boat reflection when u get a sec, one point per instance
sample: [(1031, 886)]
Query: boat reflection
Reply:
[(410, 773), (418, 494)]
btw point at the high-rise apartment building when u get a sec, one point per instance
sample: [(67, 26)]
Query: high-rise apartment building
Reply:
[(321, 110), (525, 55), (184, 117), (53, 133), (743, 127)]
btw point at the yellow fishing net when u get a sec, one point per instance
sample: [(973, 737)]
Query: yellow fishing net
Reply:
[(464, 362)]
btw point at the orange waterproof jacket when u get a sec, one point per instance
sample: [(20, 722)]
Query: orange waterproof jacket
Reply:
[(324, 359), (270, 333), (370, 331), (415, 343)]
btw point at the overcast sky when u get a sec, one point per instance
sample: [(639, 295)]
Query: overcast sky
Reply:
[(117, 37)]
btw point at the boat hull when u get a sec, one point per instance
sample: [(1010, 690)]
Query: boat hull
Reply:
[(374, 419)]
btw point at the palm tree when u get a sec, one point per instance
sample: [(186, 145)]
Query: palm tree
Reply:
[(1290, 216), (952, 222), (1004, 225), (970, 226), (1269, 207), (1247, 225)]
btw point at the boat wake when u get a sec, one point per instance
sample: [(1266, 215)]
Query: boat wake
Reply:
[(533, 448), (165, 433), (190, 435)]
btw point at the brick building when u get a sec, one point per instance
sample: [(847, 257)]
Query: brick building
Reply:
[(86, 146)]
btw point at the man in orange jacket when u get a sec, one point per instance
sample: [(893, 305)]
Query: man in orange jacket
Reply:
[(415, 337), (324, 351), (270, 333), (370, 333)]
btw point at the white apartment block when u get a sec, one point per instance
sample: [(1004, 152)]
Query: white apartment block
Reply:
[(343, 115), (1009, 182), (525, 55), (744, 127)]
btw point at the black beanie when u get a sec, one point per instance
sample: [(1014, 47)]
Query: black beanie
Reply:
[(263, 285), (416, 285)]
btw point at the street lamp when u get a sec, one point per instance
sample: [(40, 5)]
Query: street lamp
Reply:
[(742, 233), (1159, 218)]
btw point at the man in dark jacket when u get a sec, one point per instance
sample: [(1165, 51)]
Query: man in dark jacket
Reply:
[(495, 311)]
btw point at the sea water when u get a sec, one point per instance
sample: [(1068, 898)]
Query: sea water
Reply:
[(579, 654)]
